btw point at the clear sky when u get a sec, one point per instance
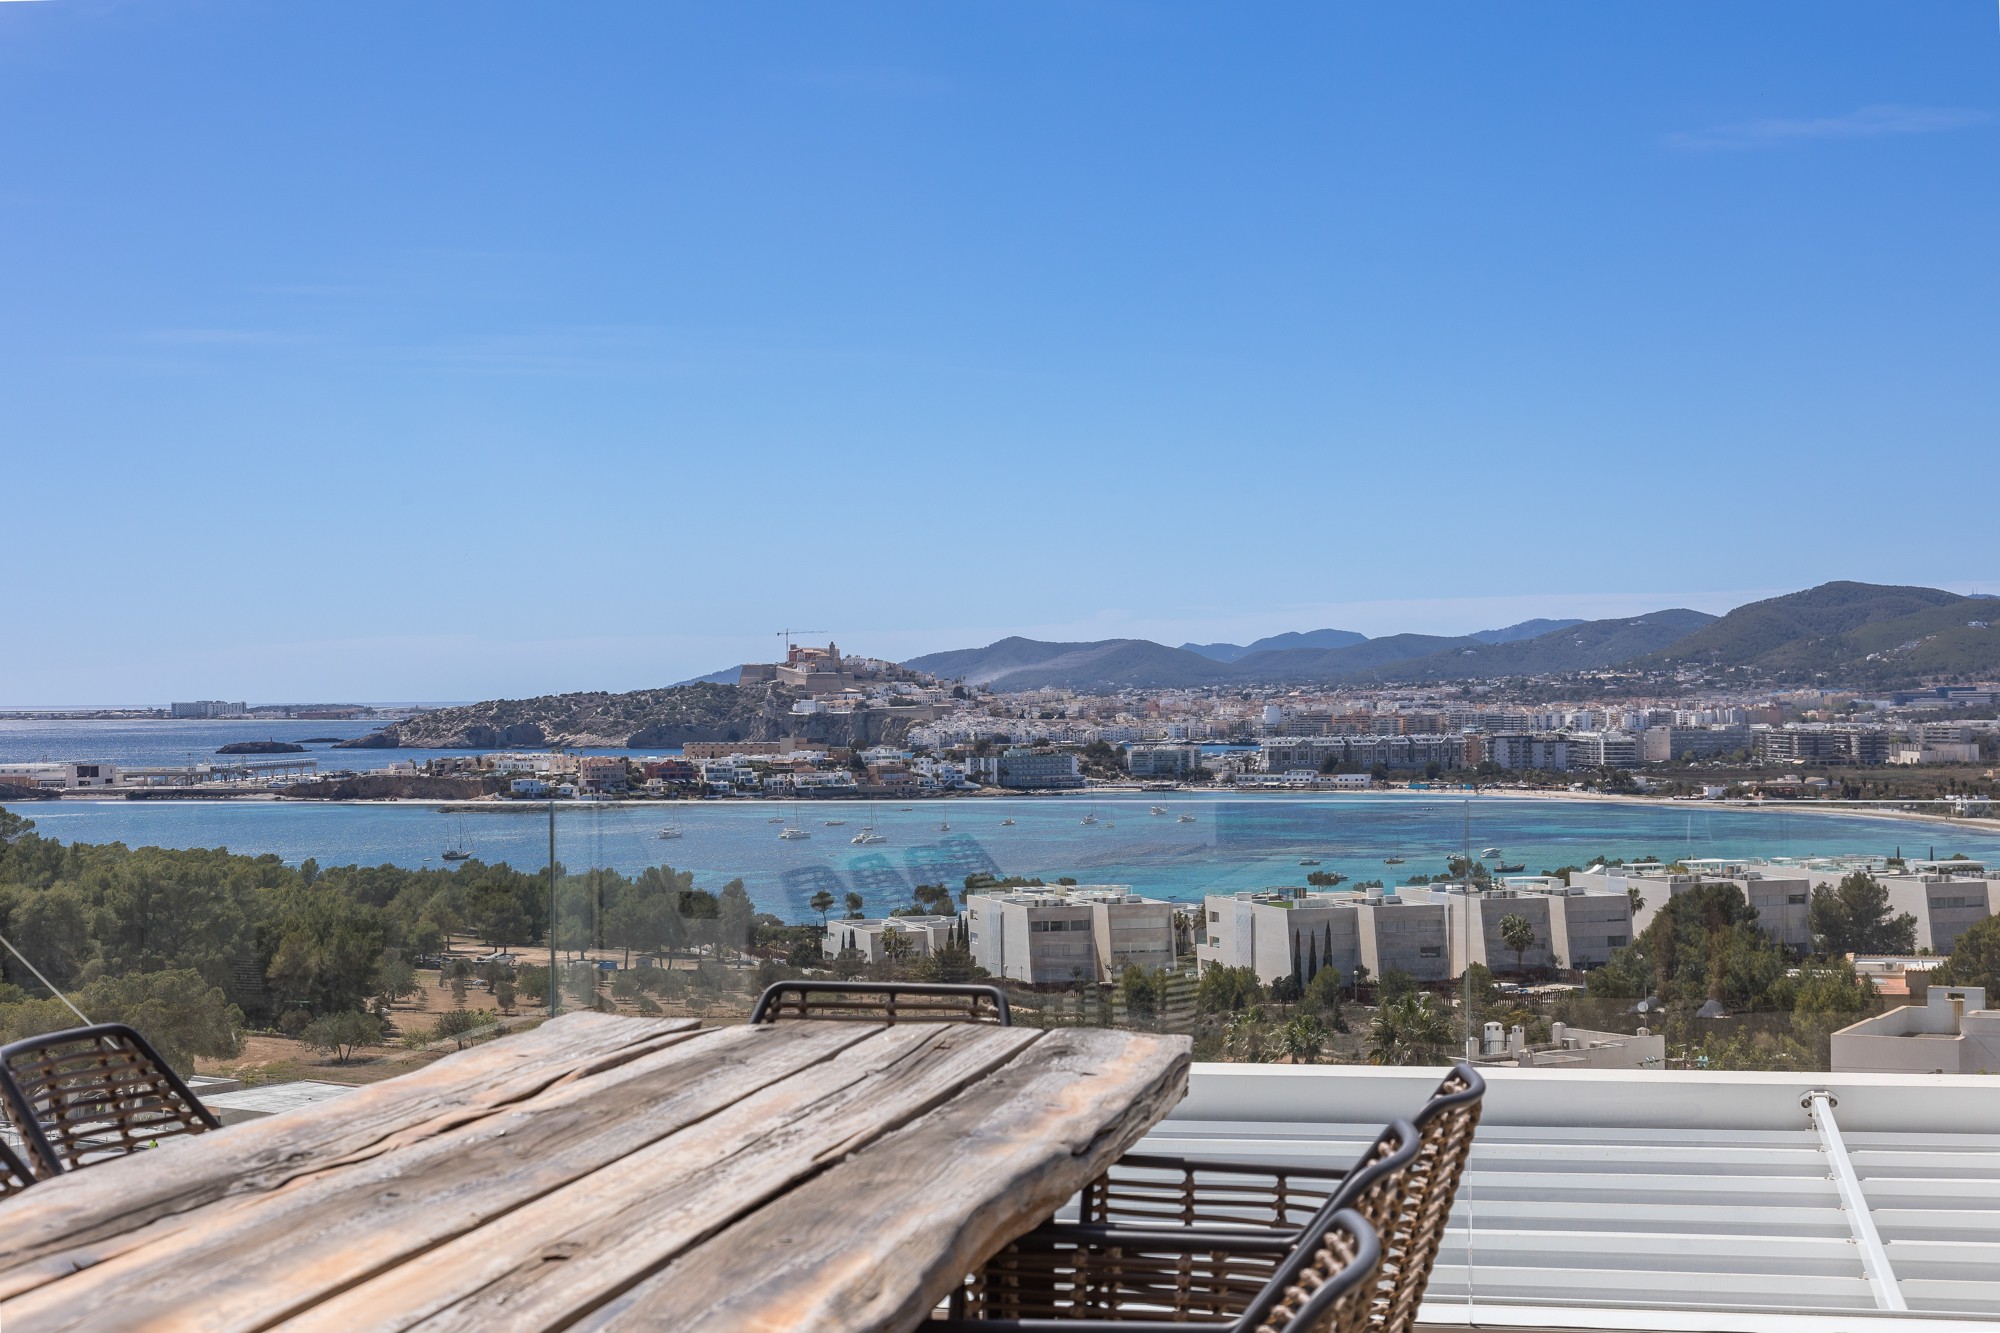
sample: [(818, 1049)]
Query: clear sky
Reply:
[(442, 350)]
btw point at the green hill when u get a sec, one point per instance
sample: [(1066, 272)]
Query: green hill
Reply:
[(1858, 634)]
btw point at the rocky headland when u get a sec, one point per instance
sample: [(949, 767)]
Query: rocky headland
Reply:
[(640, 720)]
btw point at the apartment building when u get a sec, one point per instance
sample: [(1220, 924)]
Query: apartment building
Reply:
[(1946, 897), (602, 773), (1056, 936), (1781, 895), (1026, 770), (1431, 932), (1291, 754), (1163, 761), (879, 939)]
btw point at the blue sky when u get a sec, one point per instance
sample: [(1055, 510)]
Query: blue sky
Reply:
[(423, 350)]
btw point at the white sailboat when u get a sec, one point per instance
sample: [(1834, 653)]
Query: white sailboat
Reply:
[(1185, 819), (868, 837), (670, 830), (1156, 809), (793, 831), (461, 846), (1007, 822)]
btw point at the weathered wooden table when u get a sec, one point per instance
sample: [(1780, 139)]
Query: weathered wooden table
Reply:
[(603, 1172)]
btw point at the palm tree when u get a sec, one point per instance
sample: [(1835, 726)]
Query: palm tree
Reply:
[(821, 902), (1247, 1036), (1303, 1038), (1518, 935), (1410, 1030)]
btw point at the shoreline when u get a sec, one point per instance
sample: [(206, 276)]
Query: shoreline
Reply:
[(540, 807)]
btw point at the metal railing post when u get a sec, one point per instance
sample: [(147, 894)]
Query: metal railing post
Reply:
[(1860, 1221)]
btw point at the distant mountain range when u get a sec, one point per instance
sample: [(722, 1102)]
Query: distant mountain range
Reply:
[(1856, 634), (1347, 638)]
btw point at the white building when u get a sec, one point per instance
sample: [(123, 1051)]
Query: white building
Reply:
[(921, 936), (1952, 1033), (1430, 932), (1056, 935), (58, 777)]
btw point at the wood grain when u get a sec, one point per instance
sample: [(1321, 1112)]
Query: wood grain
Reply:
[(111, 1203), (573, 1248), (226, 1268), (875, 1242)]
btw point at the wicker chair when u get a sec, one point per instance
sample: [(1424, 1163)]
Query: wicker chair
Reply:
[(882, 1002), (88, 1094), (1070, 1270), (1151, 1190), (1325, 1284), (14, 1173), (1257, 1209)]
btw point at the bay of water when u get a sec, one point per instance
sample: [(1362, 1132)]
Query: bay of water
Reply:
[(1234, 843)]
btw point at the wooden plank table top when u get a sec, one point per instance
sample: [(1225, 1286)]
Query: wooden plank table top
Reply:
[(606, 1173)]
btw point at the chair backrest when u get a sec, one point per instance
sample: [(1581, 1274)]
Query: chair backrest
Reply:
[(882, 1002), (1373, 1191), (14, 1173), (1329, 1283), (1409, 1247), (88, 1094)]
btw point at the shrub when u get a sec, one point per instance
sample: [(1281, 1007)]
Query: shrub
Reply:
[(339, 1035)]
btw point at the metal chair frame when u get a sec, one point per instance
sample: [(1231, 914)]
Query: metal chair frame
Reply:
[(83, 1095), (883, 1002), (1232, 1192), (1244, 1213), (1062, 1273), (14, 1173)]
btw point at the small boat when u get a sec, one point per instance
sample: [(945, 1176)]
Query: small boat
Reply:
[(868, 837), (1156, 809), (1185, 819), (1006, 823), (1490, 854), (1510, 870), (904, 808), (1307, 861), (833, 823), (1088, 819), (670, 830), (461, 846), (791, 834), (775, 819), (1392, 860), (944, 826)]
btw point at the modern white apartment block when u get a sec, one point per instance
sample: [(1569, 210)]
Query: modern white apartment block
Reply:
[(1781, 895), (1952, 1033), (921, 936), (1059, 935), (1945, 897), (1432, 932)]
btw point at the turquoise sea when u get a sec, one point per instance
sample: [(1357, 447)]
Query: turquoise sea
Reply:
[(1232, 843)]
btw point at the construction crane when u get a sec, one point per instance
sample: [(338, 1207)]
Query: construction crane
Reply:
[(786, 635)]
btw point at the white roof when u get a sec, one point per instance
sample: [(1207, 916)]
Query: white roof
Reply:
[(1659, 1199)]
